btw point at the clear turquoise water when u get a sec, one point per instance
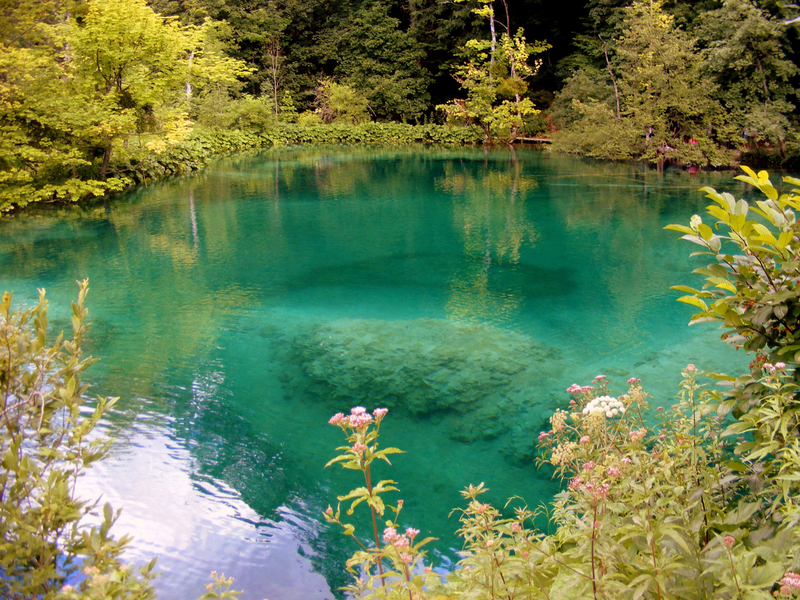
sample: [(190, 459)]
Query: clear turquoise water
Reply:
[(236, 310)]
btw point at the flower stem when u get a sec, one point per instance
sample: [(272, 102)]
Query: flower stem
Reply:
[(368, 480)]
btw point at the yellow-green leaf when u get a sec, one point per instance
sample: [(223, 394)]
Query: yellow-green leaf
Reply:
[(694, 301)]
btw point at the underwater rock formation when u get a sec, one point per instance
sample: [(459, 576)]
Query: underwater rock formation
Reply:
[(479, 375)]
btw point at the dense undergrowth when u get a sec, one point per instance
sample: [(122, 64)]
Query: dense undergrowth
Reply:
[(143, 162), (200, 146)]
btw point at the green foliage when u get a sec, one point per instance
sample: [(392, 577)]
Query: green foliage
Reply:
[(495, 79), (246, 113), (596, 132), (288, 110), (309, 118), (372, 133), (46, 549), (584, 85), (747, 54), (752, 284), (381, 61), (340, 103), (667, 110), (76, 92)]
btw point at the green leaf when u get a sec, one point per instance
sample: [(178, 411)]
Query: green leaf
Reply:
[(690, 290), (677, 537), (705, 231), (694, 301), (766, 575), (680, 228), (736, 466), (784, 238)]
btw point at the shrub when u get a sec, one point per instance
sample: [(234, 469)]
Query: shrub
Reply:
[(340, 103), (46, 549)]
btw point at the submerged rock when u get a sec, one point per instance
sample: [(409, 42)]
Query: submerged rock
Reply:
[(477, 374)]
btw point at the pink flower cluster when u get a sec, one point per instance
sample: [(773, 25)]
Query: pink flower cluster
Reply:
[(772, 368), (789, 582), (600, 377), (792, 580), (358, 418), (390, 536), (634, 381), (543, 435), (728, 541), (480, 508), (637, 434), (598, 492), (690, 368), (577, 389)]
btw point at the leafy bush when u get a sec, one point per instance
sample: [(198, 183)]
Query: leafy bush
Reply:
[(46, 549), (307, 118), (339, 103), (683, 501)]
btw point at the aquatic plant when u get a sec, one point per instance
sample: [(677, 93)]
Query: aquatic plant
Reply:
[(477, 375)]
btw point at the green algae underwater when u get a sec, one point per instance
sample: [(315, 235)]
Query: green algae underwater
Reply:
[(236, 310)]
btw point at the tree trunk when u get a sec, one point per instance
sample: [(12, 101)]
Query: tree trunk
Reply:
[(106, 160), (189, 85), (273, 51), (763, 75), (494, 37), (613, 79)]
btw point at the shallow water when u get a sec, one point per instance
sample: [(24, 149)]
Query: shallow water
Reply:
[(236, 310)]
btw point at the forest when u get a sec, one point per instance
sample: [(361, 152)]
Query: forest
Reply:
[(99, 95)]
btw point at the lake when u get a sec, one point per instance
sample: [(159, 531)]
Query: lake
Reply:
[(236, 310)]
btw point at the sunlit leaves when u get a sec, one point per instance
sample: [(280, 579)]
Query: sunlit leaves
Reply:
[(46, 442)]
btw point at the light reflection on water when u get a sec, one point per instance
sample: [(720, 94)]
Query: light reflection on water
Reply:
[(211, 295), (197, 523)]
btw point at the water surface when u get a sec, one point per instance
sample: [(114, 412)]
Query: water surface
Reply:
[(236, 310)]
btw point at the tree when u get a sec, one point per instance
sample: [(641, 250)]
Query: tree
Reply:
[(381, 61), (746, 55), (495, 79), (74, 91), (664, 106), (662, 87), (128, 58), (39, 156)]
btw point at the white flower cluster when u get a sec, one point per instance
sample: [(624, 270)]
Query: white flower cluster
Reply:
[(610, 407)]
